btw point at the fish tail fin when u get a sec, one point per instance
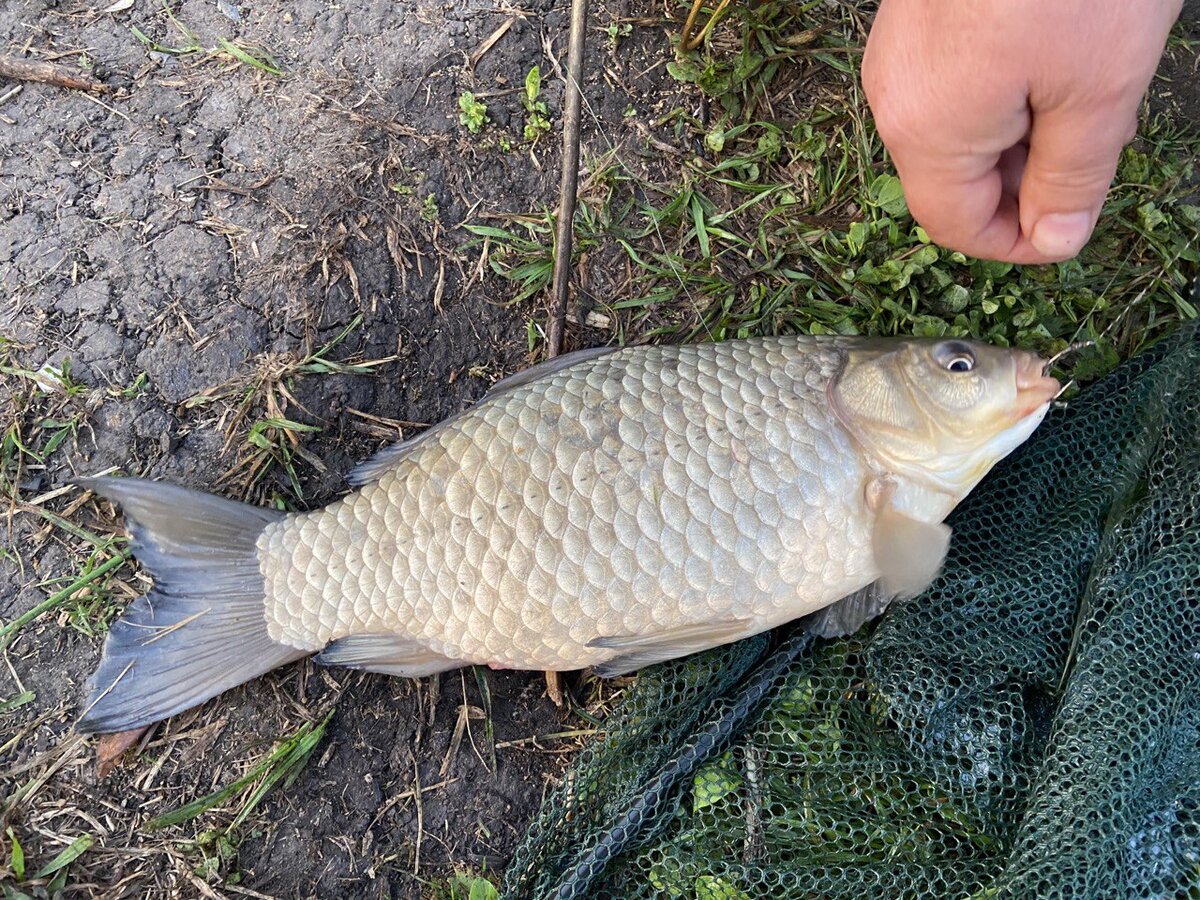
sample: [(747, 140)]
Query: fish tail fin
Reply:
[(201, 629)]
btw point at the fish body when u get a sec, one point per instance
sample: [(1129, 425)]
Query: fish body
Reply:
[(609, 509), (646, 490)]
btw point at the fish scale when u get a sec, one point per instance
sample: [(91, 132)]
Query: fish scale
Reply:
[(641, 492)]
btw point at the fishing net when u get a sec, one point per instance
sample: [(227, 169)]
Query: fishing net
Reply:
[(1030, 727)]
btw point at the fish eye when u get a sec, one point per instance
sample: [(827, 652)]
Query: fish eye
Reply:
[(955, 356)]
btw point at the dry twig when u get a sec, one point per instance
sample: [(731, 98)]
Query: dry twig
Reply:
[(18, 69), (568, 192)]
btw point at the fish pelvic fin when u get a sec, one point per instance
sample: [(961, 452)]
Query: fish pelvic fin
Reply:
[(637, 651), (387, 654), (201, 629), (852, 612)]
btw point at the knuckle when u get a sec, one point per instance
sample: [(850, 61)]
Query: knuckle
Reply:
[(1071, 176)]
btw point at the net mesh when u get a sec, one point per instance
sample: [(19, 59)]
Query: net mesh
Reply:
[(1029, 727)]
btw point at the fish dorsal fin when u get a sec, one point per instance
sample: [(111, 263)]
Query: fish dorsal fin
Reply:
[(637, 651), (546, 367), (908, 553), (388, 654), (374, 466), (851, 613)]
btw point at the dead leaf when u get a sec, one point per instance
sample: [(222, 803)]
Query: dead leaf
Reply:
[(112, 746)]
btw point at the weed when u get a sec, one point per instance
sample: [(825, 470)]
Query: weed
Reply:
[(429, 209), (237, 51), (16, 702), (273, 438), (242, 54), (527, 259), (133, 390), (217, 847), (472, 113), (41, 411), (89, 592), (616, 32), (462, 886), (93, 603), (37, 881), (536, 121)]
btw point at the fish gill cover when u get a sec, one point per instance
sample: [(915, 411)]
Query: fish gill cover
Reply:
[(1029, 727)]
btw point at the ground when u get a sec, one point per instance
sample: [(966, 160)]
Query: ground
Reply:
[(177, 256)]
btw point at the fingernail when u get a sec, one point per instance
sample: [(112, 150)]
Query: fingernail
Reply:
[(1061, 234)]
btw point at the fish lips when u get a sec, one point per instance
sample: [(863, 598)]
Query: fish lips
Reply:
[(1035, 388)]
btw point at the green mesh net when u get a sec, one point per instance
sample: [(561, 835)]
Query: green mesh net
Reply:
[(1030, 727)]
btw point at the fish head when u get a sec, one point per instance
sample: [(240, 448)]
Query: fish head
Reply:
[(941, 412)]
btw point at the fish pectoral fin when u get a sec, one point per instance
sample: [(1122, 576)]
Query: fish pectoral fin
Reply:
[(636, 651), (908, 553), (387, 654), (851, 613)]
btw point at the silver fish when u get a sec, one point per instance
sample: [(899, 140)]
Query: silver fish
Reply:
[(611, 508)]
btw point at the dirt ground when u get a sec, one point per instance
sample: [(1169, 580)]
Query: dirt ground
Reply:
[(202, 217)]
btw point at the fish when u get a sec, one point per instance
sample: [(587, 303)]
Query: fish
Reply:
[(608, 509)]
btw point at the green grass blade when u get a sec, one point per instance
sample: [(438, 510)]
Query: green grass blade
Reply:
[(17, 856), (242, 56), (289, 757), (7, 706), (8, 632), (67, 856)]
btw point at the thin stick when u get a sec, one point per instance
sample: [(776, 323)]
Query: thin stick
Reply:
[(570, 175), (567, 194), (417, 791), (18, 69), (687, 43)]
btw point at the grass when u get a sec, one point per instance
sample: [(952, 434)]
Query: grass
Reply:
[(43, 410), (768, 206), (216, 846), (43, 416), (255, 413), (89, 594), (243, 54), (464, 886), (789, 219), (51, 878)]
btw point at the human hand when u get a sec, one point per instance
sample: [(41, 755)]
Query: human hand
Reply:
[(1005, 119)]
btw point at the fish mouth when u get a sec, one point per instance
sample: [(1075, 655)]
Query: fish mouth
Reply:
[(1034, 387)]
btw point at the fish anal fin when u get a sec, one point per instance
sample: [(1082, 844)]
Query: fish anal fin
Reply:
[(637, 651), (387, 654), (909, 553)]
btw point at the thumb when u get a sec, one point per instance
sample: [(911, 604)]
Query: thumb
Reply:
[(1073, 155)]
